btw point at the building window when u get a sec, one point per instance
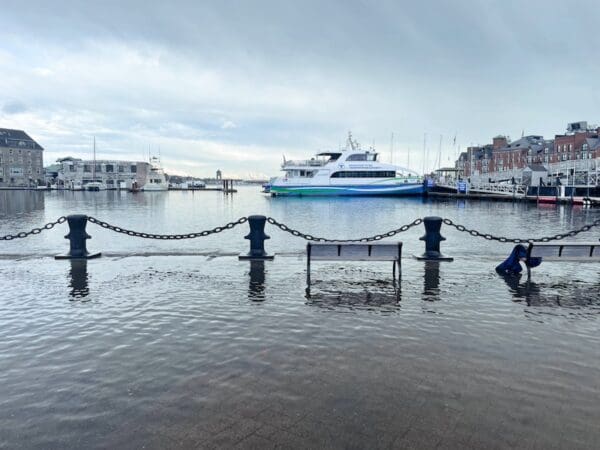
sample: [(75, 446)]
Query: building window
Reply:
[(121, 169), (71, 168), (87, 168), (110, 168), (98, 167), (133, 168)]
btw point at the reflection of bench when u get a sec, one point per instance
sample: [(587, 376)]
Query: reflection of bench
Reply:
[(566, 251), (334, 251)]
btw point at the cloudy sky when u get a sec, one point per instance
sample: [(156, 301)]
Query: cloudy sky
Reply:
[(237, 84)]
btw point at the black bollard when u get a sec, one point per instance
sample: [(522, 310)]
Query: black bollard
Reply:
[(432, 240), (257, 238), (77, 237)]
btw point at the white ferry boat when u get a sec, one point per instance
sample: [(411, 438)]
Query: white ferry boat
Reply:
[(350, 171), (156, 178)]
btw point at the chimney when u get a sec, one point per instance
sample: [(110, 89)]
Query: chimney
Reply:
[(499, 142)]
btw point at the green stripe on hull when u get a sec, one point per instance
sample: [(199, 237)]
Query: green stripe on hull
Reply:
[(414, 189)]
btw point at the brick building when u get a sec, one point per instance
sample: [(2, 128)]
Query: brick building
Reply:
[(503, 159), (21, 160), (578, 145)]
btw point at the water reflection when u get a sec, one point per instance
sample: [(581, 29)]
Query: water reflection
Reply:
[(431, 288), (20, 202), (79, 279), (256, 287), (568, 295)]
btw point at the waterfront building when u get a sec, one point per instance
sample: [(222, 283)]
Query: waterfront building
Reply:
[(574, 155), (75, 173), (21, 160)]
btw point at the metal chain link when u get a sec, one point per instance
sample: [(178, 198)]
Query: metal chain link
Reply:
[(204, 233), (376, 237), (491, 237), (24, 234)]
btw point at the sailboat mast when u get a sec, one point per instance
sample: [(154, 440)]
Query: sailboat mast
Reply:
[(94, 165), (424, 152), (439, 158)]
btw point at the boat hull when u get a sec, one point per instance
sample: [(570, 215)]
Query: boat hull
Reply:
[(397, 190)]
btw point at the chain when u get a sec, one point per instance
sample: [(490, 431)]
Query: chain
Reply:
[(204, 233), (490, 237), (376, 237), (24, 234)]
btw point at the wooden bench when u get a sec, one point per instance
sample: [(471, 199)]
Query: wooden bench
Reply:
[(343, 251), (565, 251)]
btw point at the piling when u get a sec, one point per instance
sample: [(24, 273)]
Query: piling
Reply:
[(77, 239)]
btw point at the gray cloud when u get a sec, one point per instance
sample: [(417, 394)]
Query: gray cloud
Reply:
[(234, 84), (14, 107)]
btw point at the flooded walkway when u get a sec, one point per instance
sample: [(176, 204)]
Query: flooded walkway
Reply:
[(200, 350)]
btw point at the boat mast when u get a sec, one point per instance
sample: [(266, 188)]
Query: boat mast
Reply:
[(439, 158), (424, 151), (94, 165), (392, 149)]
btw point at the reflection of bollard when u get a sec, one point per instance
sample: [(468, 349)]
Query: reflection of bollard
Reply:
[(432, 240), (256, 288), (77, 237), (79, 279), (257, 238)]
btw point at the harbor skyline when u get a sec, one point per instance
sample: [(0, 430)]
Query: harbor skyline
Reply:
[(217, 90)]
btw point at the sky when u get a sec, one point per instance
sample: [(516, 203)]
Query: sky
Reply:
[(236, 85)]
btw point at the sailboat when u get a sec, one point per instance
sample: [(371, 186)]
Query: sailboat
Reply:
[(94, 185)]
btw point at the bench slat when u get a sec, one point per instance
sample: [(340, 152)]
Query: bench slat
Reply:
[(376, 251), (568, 251)]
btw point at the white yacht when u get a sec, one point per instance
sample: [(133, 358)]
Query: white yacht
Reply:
[(94, 186), (351, 171), (156, 178)]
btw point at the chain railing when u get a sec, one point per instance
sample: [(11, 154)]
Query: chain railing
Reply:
[(296, 233), (491, 237), (24, 234), (376, 237), (140, 234)]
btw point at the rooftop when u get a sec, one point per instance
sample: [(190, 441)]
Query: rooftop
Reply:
[(17, 139)]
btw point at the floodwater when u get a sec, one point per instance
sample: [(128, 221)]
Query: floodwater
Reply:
[(177, 344)]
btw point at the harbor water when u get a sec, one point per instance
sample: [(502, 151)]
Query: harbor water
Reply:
[(178, 344)]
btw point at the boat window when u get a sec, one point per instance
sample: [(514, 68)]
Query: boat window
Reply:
[(357, 157), (364, 174)]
